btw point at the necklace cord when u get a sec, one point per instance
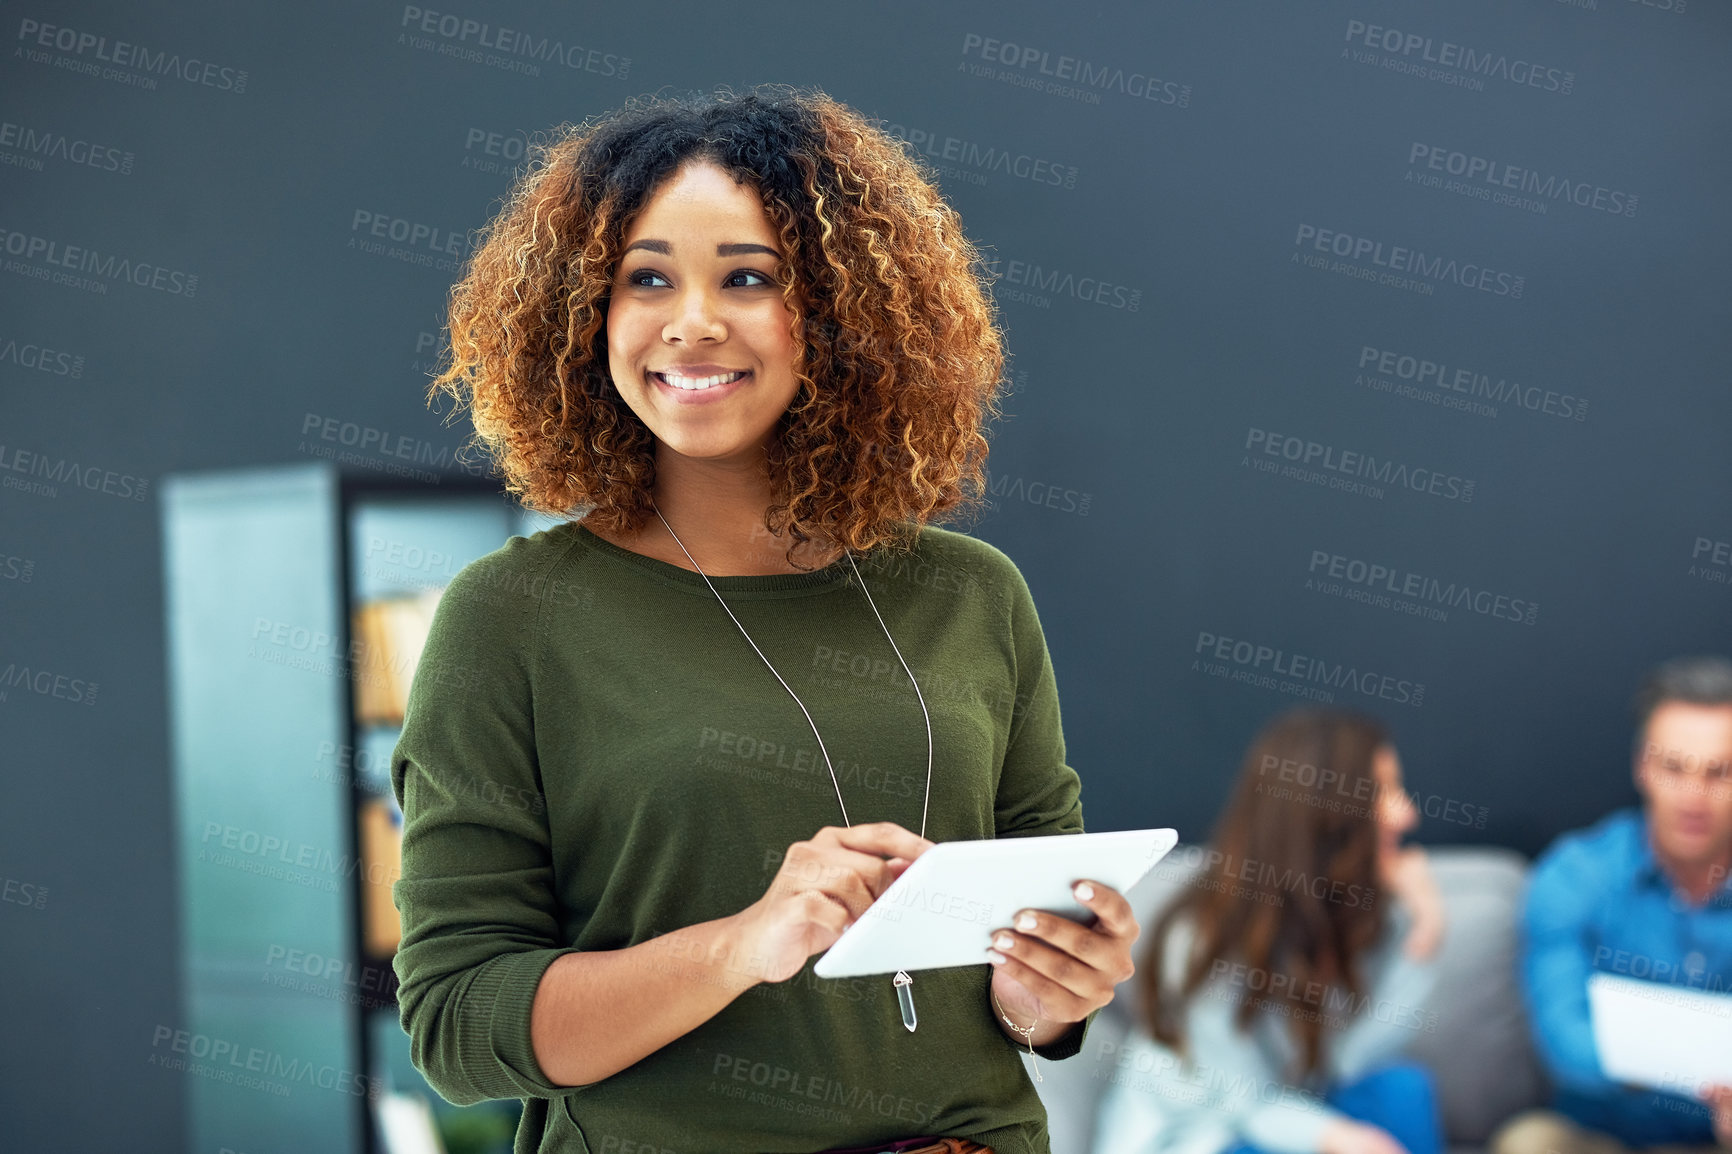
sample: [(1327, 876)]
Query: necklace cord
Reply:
[(821, 747), (902, 982), (919, 695)]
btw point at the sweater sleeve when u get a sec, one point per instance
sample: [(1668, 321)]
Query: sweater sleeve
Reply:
[(1243, 1072), (1395, 1006), (1222, 1096), (1038, 794), (1129, 1117), (1399, 1005), (476, 897), (1226, 1089), (1563, 894)]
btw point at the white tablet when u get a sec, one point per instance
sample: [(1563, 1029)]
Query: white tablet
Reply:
[(944, 907)]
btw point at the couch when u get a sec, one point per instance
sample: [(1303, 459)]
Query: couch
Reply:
[(1479, 1050)]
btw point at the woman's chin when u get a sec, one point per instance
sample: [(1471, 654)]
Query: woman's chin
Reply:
[(712, 448)]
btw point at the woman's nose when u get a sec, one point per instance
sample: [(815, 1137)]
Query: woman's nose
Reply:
[(696, 317), (1409, 813)]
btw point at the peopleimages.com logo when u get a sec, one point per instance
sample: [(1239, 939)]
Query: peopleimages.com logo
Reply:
[(1307, 454), (515, 50), (1269, 666), (55, 471), (1410, 262), (1423, 373), (48, 255), (95, 54), (41, 358), (33, 145), (955, 156), (1033, 281), (1376, 579), (1433, 59), (1025, 66), (1486, 178)]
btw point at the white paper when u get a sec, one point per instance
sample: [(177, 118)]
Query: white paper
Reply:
[(406, 1125), (1671, 1038)]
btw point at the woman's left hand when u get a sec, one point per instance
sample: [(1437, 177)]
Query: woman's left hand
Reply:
[(1059, 970)]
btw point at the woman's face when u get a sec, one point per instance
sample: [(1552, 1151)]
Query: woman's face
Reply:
[(698, 337), (1395, 810)]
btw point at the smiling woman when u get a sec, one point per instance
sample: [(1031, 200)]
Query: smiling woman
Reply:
[(698, 334), (752, 319), (892, 352)]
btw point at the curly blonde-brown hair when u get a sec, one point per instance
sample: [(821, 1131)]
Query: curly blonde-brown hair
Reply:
[(898, 351)]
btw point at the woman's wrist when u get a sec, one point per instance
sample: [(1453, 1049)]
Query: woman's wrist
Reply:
[(1049, 1032), (1016, 1027), (715, 953), (1027, 1031), (731, 945)]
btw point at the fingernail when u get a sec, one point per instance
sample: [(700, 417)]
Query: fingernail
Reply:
[(1026, 922), (995, 957), (1004, 942), (1084, 891)]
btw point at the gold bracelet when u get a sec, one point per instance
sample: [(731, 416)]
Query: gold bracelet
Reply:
[(1027, 1033)]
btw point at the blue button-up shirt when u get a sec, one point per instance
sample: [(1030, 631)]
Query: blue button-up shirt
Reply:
[(1598, 900)]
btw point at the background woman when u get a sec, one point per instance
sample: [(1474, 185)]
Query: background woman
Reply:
[(1275, 992), (747, 342)]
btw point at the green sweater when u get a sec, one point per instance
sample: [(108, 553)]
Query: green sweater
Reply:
[(593, 756)]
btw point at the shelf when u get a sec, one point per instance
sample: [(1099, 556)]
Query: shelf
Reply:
[(264, 570)]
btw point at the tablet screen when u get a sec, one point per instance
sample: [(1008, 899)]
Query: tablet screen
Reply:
[(944, 907)]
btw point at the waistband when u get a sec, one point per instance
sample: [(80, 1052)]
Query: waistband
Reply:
[(927, 1145)]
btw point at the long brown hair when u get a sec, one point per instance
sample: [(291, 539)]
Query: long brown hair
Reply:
[(1286, 901)]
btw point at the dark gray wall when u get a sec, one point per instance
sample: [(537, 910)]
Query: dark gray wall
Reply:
[(1212, 219)]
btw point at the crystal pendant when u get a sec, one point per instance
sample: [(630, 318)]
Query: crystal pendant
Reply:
[(905, 998)]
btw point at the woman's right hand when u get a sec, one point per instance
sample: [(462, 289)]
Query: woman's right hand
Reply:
[(822, 888), (1407, 875), (1345, 1136)]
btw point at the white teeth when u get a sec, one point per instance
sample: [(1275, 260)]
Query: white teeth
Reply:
[(695, 383)]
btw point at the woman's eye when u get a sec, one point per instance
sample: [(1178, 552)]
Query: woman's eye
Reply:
[(644, 278), (749, 278)]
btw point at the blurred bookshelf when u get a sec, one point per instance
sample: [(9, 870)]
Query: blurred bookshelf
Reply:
[(298, 599)]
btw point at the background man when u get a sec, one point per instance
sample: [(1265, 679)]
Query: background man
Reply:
[(1645, 893)]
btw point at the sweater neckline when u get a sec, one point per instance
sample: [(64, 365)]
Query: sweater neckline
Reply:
[(830, 576)]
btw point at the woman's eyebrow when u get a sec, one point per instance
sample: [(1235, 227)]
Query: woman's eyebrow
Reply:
[(745, 249), (666, 249)]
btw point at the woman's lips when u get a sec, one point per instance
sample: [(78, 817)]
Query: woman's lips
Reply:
[(693, 380), (699, 383)]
